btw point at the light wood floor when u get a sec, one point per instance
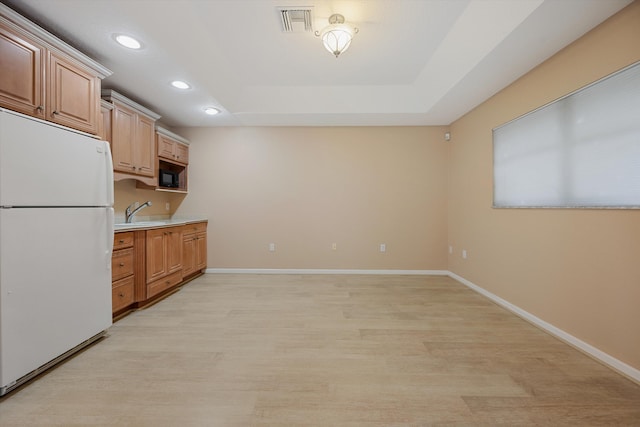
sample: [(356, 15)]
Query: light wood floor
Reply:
[(252, 350)]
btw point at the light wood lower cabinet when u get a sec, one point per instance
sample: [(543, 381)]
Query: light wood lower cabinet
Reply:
[(164, 258), (194, 248), (122, 294), (122, 272), (147, 264)]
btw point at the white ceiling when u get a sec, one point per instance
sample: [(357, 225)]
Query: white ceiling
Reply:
[(413, 62)]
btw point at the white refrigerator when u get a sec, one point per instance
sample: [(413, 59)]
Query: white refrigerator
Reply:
[(56, 238)]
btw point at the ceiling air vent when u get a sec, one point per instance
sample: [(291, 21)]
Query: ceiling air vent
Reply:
[(296, 19)]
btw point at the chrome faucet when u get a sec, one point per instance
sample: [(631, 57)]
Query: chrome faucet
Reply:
[(128, 213)]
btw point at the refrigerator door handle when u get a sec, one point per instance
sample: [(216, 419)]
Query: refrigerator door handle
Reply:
[(110, 226), (109, 171)]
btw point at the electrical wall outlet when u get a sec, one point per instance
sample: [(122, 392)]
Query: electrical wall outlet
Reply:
[(450, 249), (383, 247), (334, 246), (272, 247), (167, 206), (464, 253)]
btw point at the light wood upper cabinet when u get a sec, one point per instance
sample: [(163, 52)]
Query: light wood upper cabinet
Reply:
[(123, 125), (172, 147), (22, 69), (173, 156), (104, 124), (182, 153), (74, 94), (44, 77), (144, 151), (133, 145)]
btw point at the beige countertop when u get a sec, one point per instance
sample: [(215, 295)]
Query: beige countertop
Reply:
[(147, 223)]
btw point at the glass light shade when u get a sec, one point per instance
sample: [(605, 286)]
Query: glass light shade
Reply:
[(128, 41), (337, 38), (179, 84)]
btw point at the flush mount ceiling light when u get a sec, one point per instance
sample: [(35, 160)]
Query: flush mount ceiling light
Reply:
[(127, 41), (212, 111), (179, 84), (337, 35)]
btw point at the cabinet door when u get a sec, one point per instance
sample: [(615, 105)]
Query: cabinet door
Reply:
[(74, 95), (104, 124), (188, 254), (156, 254), (22, 71), (174, 249), (166, 147), (144, 154), (182, 153), (123, 126), (201, 251)]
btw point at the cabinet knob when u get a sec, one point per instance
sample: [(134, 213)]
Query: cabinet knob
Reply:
[(121, 295), (121, 241), (40, 107), (133, 167), (55, 112), (122, 264)]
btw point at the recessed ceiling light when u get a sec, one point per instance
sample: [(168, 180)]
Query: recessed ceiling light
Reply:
[(180, 84), (128, 41), (211, 111)]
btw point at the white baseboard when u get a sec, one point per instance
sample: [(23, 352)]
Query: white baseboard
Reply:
[(324, 271), (617, 365)]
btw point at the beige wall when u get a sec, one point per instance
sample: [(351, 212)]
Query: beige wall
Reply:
[(126, 192), (576, 269), (305, 188)]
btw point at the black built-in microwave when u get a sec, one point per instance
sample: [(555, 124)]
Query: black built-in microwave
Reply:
[(168, 179)]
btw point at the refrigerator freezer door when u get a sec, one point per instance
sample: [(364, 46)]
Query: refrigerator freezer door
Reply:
[(55, 284), (42, 164)]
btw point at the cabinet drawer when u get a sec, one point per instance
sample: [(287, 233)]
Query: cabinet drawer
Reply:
[(122, 263), (154, 288), (122, 240), (122, 294), (197, 227)]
